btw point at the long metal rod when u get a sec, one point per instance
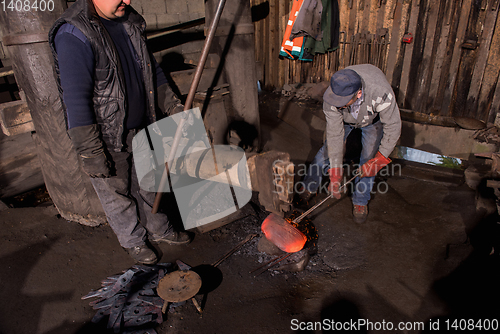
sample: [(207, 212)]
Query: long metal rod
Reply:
[(299, 218), (270, 264), (189, 101), (228, 254)]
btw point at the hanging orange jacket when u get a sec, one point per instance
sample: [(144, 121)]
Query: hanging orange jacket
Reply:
[(292, 48)]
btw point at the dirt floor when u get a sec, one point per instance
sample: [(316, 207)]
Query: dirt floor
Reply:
[(426, 255)]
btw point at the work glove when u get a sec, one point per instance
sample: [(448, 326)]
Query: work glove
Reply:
[(168, 102), (373, 166), (335, 177), (89, 146), (96, 166)]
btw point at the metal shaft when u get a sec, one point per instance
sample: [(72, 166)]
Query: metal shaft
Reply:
[(299, 218), (270, 264), (189, 101), (228, 254)]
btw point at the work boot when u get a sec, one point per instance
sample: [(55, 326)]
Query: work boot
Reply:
[(360, 212), (175, 238), (142, 254)]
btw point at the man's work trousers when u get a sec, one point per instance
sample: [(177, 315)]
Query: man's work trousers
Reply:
[(127, 207)]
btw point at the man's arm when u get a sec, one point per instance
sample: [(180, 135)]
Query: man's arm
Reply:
[(168, 102), (391, 121), (334, 135), (76, 67)]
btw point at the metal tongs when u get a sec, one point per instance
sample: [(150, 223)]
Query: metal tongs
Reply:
[(299, 218)]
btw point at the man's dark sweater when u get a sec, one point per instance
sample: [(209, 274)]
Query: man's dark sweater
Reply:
[(76, 63)]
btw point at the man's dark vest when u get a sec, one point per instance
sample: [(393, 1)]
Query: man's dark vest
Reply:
[(109, 83)]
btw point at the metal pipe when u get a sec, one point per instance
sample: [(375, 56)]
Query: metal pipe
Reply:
[(299, 218), (189, 101)]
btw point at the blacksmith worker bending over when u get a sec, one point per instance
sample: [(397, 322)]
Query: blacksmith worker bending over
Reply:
[(108, 79), (359, 96)]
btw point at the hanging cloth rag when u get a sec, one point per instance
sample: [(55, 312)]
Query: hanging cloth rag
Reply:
[(308, 22), (292, 48), (330, 27)]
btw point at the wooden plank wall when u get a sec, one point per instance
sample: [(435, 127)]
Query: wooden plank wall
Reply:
[(451, 68)]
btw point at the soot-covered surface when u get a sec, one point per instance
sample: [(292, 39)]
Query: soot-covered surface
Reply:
[(424, 253)]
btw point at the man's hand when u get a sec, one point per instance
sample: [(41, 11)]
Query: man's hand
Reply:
[(96, 166), (373, 166), (89, 146), (335, 177), (168, 102)]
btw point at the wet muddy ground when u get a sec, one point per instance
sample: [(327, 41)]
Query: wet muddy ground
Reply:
[(425, 255)]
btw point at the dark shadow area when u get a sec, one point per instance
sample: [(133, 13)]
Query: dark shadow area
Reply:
[(220, 68), (471, 293), (211, 277), (33, 198), (471, 290), (170, 208), (260, 11), (172, 62), (8, 87), (12, 291), (174, 39), (353, 147), (309, 117), (342, 311), (242, 134)]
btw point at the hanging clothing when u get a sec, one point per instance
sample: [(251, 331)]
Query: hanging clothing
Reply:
[(330, 27), (308, 21), (292, 48), (313, 27)]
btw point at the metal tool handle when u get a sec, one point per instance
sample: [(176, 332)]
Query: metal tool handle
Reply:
[(299, 218), (189, 101)]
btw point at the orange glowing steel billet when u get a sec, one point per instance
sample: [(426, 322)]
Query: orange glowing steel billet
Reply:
[(283, 234)]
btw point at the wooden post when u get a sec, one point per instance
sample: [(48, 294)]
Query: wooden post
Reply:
[(26, 37), (234, 41)]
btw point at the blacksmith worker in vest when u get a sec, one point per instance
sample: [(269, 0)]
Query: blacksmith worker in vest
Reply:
[(359, 96), (108, 80)]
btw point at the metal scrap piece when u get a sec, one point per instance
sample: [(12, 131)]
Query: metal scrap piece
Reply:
[(147, 292), (130, 299), (103, 303), (111, 290), (138, 321), (153, 300), (100, 315), (115, 314)]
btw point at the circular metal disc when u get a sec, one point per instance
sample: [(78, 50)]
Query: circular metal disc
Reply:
[(469, 123), (179, 286)]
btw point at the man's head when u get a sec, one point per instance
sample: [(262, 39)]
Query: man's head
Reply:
[(110, 9), (345, 88)]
